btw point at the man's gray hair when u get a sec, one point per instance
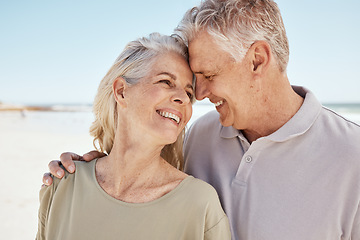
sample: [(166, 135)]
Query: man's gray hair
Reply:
[(236, 24)]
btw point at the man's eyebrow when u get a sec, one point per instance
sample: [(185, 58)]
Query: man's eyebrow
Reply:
[(169, 74), (199, 72), (206, 72)]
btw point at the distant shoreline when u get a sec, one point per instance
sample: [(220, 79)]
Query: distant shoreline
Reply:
[(88, 107), (24, 108), (50, 108)]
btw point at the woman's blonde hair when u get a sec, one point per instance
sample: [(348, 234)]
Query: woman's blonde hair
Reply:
[(236, 24), (133, 64)]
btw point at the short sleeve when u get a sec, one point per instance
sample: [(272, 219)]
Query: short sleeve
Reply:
[(217, 223), (355, 233), (220, 231), (45, 197)]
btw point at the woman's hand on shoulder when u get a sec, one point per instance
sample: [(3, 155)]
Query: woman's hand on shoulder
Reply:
[(67, 160)]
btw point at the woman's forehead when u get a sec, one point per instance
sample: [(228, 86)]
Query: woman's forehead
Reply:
[(173, 65)]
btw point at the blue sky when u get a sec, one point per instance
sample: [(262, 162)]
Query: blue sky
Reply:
[(58, 51)]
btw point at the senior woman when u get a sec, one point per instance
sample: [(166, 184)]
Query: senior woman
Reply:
[(137, 191)]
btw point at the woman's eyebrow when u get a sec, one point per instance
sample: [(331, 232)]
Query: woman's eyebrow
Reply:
[(174, 77), (190, 86), (169, 74)]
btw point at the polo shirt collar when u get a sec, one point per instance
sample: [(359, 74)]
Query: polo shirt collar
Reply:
[(297, 125), (229, 132), (302, 120)]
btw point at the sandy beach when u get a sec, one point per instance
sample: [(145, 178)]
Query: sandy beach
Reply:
[(29, 140)]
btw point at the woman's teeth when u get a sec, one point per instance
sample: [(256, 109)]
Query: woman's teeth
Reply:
[(170, 115)]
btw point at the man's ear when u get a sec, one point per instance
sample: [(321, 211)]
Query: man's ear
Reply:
[(119, 86), (261, 55)]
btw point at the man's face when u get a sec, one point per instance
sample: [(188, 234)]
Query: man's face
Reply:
[(224, 81)]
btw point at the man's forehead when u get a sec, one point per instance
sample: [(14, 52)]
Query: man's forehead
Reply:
[(198, 64), (202, 68), (202, 63), (204, 47), (201, 42), (199, 55)]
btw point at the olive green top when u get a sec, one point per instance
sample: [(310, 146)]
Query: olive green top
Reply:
[(76, 207)]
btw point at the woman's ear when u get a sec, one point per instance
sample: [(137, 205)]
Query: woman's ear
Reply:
[(261, 56), (119, 86)]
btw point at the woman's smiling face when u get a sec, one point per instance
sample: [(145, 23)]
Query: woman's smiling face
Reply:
[(160, 103)]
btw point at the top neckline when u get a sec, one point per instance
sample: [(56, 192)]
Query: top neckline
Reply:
[(144, 204)]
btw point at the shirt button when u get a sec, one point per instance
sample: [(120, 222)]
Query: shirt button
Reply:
[(248, 159)]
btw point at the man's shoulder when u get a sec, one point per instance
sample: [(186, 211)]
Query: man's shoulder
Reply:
[(208, 120), (340, 123), (203, 129), (342, 134)]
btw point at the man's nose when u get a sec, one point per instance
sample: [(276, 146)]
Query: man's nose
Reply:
[(201, 88)]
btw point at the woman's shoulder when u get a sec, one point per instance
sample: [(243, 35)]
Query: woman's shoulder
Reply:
[(198, 183), (200, 189), (83, 166), (83, 169), (203, 200)]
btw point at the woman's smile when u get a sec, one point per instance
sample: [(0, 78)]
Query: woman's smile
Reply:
[(168, 115)]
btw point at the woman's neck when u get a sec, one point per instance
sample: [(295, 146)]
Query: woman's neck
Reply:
[(135, 172)]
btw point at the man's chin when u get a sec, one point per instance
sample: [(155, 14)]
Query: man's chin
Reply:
[(225, 122)]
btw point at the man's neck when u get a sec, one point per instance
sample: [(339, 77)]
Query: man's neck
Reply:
[(281, 108)]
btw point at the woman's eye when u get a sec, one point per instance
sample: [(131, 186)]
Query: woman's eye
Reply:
[(167, 82), (190, 95)]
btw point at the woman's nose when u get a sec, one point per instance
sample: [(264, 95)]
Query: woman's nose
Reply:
[(181, 97)]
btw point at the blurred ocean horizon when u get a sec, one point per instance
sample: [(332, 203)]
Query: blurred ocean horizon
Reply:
[(78, 117)]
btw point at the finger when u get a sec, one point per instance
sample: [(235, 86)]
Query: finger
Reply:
[(67, 160), (92, 155), (55, 169), (47, 179)]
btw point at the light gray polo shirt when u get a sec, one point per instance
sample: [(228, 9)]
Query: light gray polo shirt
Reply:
[(301, 182)]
